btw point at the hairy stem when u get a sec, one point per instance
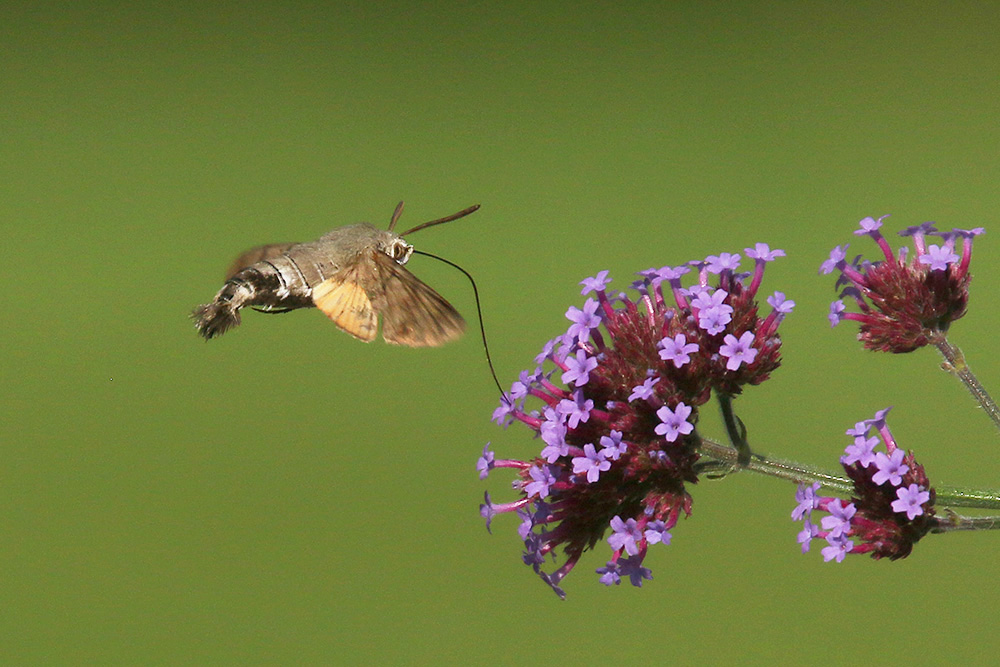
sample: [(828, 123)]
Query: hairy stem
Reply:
[(954, 363), (952, 522)]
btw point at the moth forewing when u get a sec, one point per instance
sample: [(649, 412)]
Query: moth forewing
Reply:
[(415, 315)]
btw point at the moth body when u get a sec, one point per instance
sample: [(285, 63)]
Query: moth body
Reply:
[(353, 274)]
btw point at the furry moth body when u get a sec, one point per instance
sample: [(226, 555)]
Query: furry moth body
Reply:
[(354, 274)]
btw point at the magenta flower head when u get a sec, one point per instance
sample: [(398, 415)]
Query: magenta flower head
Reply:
[(616, 403), (892, 507), (904, 303)]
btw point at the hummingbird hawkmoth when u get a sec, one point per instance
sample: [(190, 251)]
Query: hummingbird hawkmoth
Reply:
[(354, 274)]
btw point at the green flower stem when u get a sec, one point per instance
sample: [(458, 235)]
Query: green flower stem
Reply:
[(946, 496), (734, 428), (780, 468), (952, 522), (954, 363)]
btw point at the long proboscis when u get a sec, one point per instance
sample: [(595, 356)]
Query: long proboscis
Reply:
[(475, 293)]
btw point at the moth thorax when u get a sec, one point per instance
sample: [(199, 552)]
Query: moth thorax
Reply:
[(399, 250)]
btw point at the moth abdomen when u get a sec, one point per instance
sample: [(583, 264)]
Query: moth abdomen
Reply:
[(216, 318), (257, 285)]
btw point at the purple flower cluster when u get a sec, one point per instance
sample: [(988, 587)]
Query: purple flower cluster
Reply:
[(893, 506), (616, 404), (904, 304)]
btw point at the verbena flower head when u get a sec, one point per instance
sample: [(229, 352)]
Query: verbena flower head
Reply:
[(893, 504), (615, 403), (904, 303)]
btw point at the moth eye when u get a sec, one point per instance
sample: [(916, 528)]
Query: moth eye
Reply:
[(400, 251)]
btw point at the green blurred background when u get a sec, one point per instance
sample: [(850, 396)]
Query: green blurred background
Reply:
[(287, 494)]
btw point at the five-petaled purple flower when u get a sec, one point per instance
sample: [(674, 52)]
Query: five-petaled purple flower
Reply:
[(738, 351), (592, 463), (578, 368), (677, 350), (673, 423)]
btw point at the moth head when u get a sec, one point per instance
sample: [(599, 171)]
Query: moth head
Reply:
[(399, 250)]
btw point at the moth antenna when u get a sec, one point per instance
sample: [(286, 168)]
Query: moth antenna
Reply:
[(475, 292), (453, 216), (395, 215)]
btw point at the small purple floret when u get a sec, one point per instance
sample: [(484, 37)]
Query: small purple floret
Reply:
[(542, 479), (583, 320), (593, 463), (805, 536), (837, 309), (837, 550), (807, 500), (910, 500), (643, 391), (576, 410), (763, 252), (578, 368), (738, 351), (609, 574), (938, 258), (656, 533), (838, 256), (597, 283), (485, 462), (890, 468), (838, 523), (625, 536), (677, 350), (780, 303), (633, 569), (724, 261), (613, 445), (673, 423), (860, 452)]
